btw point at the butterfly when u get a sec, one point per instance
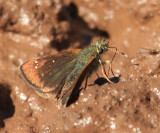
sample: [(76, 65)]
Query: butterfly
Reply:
[(57, 75)]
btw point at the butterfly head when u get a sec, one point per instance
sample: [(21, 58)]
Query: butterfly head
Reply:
[(101, 46)]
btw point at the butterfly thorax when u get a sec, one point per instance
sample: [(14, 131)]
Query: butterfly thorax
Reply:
[(92, 52)]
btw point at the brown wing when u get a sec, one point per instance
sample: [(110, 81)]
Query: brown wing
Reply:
[(49, 73)]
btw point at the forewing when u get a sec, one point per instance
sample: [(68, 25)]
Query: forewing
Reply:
[(49, 73)]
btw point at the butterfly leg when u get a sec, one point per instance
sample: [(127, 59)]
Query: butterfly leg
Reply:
[(104, 73), (110, 66)]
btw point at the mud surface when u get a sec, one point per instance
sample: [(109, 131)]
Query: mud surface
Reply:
[(30, 29)]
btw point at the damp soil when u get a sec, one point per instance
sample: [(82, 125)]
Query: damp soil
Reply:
[(31, 29)]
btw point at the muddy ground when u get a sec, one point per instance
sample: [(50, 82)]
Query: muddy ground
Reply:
[(30, 29)]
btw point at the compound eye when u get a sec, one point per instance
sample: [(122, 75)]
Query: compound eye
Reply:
[(101, 51)]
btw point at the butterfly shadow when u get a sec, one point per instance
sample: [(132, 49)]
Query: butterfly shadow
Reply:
[(76, 92), (74, 97), (99, 81)]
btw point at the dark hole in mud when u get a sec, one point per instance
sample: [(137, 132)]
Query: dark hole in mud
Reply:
[(136, 111), (1, 11), (11, 22), (68, 13), (79, 30), (7, 108), (154, 52), (72, 10), (145, 99), (146, 51), (148, 99)]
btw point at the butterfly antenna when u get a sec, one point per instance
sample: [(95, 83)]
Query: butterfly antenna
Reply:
[(114, 49)]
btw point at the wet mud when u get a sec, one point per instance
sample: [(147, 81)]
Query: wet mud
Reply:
[(31, 29)]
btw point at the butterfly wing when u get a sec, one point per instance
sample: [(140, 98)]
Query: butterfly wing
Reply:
[(49, 74), (71, 81)]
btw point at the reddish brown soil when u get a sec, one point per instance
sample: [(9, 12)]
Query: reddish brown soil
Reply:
[(29, 29)]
